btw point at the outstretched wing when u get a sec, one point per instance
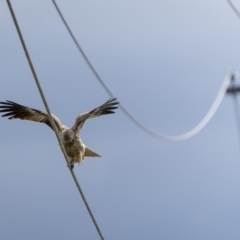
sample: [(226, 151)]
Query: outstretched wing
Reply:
[(14, 110), (106, 108)]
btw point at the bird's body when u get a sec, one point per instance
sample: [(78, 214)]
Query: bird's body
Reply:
[(74, 147)]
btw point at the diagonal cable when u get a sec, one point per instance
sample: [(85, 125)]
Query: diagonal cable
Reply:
[(178, 138), (233, 8), (50, 116)]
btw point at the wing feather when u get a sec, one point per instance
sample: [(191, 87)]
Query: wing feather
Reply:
[(106, 108), (14, 110)]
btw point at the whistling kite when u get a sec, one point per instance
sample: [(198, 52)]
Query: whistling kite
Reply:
[(74, 146)]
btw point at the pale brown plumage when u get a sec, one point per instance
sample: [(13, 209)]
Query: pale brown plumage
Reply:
[(74, 147)]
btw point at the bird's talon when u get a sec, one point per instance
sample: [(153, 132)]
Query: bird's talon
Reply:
[(71, 166)]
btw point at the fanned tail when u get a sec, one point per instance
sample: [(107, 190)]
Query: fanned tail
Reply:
[(90, 153)]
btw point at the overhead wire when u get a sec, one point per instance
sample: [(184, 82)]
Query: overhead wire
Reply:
[(237, 113), (50, 117), (233, 90), (233, 8), (235, 98), (178, 138)]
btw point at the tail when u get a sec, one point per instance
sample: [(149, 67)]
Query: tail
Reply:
[(90, 153)]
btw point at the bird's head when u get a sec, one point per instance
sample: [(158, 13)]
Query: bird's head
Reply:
[(68, 135)]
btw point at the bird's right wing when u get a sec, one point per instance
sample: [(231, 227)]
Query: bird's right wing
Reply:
[(106, 108), (14, 110)]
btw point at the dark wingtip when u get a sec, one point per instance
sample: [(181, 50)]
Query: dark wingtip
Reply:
[(112, 101)]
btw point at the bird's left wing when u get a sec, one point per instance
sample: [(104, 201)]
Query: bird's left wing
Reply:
[(15, 110), (106, 108)]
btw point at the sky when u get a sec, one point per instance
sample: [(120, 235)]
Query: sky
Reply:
[(165, 62)]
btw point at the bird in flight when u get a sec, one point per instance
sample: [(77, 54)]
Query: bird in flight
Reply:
[(75, 149)]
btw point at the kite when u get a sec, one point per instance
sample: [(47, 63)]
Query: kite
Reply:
[(74, 147)]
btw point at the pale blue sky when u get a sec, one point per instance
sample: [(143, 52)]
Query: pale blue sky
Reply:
[(165, 61)]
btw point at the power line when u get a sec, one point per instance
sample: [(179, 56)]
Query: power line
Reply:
[(182, 137), (237, 113), (233, 90), (50, 116), (233, 8)]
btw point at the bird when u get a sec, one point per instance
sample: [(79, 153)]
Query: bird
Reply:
[(74, 147)]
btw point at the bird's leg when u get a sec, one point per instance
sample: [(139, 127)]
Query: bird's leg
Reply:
[(71, 164)]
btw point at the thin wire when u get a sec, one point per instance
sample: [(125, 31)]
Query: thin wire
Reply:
[(50, 116), (236, 105), (233, 8), (237, 113), (182, 137), (203, 122), (235, 99)]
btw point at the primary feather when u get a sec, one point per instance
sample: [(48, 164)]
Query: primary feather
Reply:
[(14, 110)]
